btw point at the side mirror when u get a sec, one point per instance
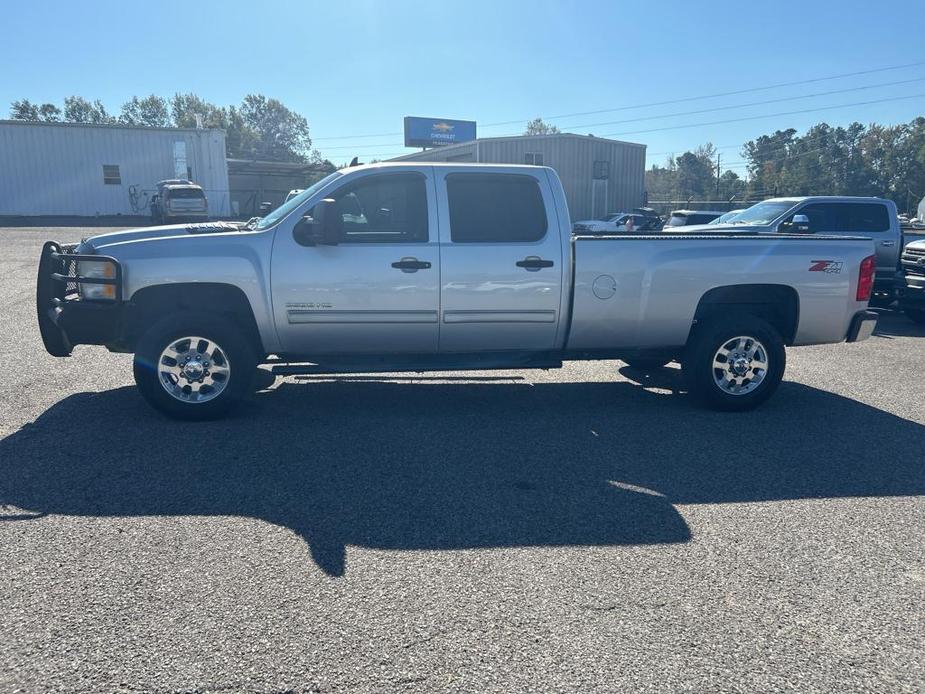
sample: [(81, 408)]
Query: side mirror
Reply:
[(265, 207), (324, 227), (798, 225)]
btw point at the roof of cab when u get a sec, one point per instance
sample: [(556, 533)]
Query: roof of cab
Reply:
[(440, 165), (825, 198)]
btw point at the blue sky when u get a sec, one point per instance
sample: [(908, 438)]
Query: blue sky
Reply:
[(356, 68)]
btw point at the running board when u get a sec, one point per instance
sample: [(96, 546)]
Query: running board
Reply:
[(420, 365)]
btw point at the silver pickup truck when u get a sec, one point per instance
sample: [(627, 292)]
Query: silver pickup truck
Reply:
[(432, 267)]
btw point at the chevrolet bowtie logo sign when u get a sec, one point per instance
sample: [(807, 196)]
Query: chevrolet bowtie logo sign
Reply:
[(435, 132)]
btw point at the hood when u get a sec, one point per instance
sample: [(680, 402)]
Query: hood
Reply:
[(94, 244)]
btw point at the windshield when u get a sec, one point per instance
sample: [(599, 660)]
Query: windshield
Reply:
[(726, 218), (608, 218), (764, 212), (290, 205), (677, 220)]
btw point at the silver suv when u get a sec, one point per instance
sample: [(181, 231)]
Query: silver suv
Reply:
[(179, 200)]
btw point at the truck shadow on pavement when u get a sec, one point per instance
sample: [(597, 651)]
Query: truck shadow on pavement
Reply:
[(437, 465)]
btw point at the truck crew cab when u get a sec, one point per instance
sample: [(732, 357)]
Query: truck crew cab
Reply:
[(422, 267)]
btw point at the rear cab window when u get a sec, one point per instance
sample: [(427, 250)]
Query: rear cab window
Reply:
[(495, 208)]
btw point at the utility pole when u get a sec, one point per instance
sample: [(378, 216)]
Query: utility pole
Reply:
[(718, 160)]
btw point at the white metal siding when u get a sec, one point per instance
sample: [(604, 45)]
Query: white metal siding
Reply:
[(48, 169)]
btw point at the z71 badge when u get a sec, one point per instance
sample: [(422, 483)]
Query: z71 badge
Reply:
[(833, 266)]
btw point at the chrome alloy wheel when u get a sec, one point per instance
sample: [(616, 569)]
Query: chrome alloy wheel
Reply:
[(193, 369), (740, 365)]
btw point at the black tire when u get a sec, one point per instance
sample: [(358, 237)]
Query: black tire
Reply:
[(647, 363), (236, 351), (916, 315), (704, 345)]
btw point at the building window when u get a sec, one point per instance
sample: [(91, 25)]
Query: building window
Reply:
[(111, 175), (601, 170), (533, 158)]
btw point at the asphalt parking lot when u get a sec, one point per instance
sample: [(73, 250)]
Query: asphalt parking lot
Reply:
[(585, 529)]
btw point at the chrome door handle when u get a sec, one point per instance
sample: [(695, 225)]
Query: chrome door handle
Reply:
[(532, 263), (888, 243), (411, 265)]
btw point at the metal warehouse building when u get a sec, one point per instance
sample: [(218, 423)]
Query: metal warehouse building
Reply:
[(100, 170), (599, 175)]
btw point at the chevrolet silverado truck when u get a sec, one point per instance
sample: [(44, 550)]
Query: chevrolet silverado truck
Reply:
[(434, 267)]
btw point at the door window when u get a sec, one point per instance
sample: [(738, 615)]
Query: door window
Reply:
[(854, 217), (388, 208), (495, 208), (866, 217), (823, 217)]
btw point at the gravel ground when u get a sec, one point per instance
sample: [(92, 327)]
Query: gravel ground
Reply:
[(578, 530)]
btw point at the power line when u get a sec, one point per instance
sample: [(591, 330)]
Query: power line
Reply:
[(664, 103), (722, 122), (753, 103), (766, 115)]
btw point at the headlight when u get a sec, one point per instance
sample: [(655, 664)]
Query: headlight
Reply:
[(97, 269)]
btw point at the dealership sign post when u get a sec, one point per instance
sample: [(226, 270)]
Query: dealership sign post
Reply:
[(436, 132)]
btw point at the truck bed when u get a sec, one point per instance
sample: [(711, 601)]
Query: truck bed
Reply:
[(643, 291)]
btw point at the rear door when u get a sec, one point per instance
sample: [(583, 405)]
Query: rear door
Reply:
[(501, 261)]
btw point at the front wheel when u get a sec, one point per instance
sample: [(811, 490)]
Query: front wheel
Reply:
[(734, 364), (193, 366)]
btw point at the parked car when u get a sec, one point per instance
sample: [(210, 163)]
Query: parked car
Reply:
[(179, 200), (405, 267), (727, 217), (644, 220), (683, 218), (607, 223), (293, 193), (912, 296)]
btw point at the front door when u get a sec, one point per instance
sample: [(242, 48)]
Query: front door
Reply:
[(501, 261), (375, 292)]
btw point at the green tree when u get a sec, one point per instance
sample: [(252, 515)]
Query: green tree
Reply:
[(150, 111), (662, 181), (696, 173), (730, 185), (79, 110), (50, 113), (540, 127), (280, 134), (185, 107), (24, 110)]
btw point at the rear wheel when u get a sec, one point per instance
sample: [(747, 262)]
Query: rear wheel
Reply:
[(193, 366), (735, 363)]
